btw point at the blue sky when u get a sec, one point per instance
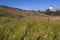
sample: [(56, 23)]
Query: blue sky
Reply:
[(31, 4)]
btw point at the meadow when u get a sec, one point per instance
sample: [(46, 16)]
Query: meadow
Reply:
[(29, 28), (17, 24)]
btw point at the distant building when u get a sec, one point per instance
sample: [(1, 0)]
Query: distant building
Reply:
[(51, 8)]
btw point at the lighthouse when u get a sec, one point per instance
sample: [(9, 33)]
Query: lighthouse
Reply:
[(51, 8)]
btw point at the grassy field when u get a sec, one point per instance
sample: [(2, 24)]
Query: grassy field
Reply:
[(29, 28), (16, 24)]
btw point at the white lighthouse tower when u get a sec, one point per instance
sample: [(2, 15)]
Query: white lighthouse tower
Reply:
[(51, 8)]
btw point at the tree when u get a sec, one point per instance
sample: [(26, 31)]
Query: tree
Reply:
[(48, 12), (39, 11), (57, 12)]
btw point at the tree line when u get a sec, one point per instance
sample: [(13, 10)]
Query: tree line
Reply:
[(52, 13)]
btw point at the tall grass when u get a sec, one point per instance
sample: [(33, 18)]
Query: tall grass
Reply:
[(29, 28)]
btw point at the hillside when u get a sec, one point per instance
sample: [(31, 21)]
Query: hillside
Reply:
[(15, 12), (19, 24)]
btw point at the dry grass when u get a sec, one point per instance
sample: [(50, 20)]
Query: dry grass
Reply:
[(29, 28)]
